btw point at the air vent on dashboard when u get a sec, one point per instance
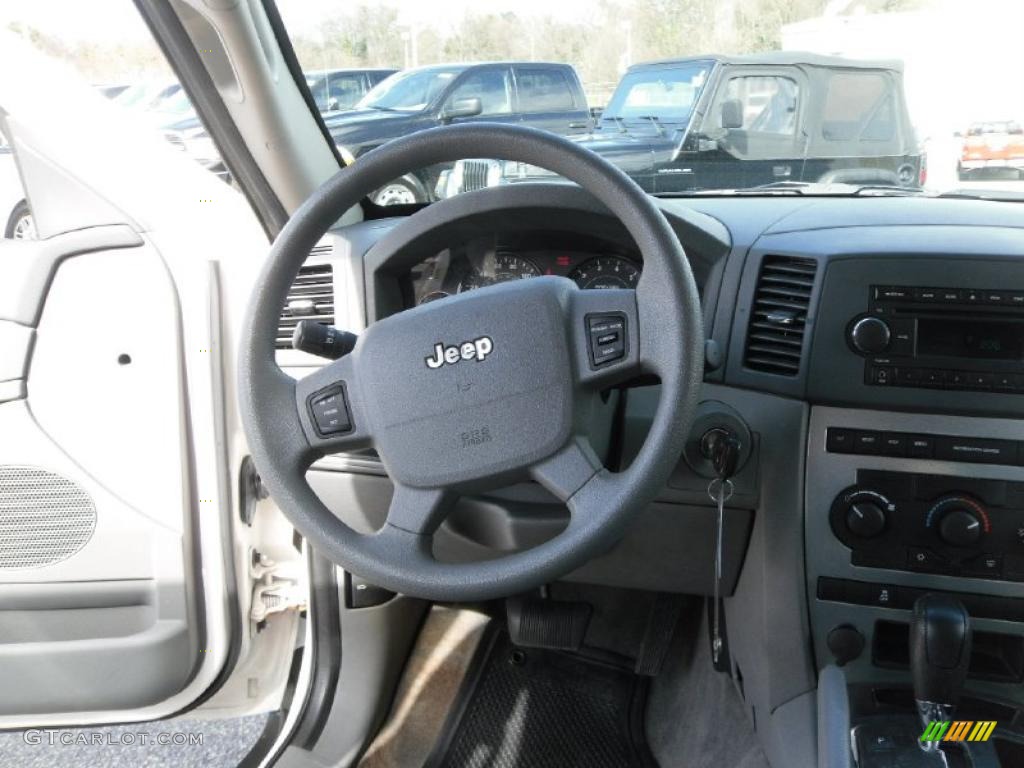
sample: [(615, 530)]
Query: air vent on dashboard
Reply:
[(778, 318), (311, 298)]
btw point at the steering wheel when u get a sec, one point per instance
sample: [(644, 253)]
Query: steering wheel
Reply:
[(479, 390)]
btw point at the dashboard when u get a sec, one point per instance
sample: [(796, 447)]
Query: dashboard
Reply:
[(873, 351), (590, 262)]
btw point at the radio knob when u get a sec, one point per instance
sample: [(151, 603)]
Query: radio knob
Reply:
[(870, 335), (865, 519), (960, 528)]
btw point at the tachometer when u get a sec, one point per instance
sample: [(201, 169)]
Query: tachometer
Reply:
[(498, 268), (606, 272)]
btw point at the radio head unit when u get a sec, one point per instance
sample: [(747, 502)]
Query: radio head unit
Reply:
[(947, 338)]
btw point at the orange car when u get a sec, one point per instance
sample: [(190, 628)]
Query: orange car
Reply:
[(997, 144)]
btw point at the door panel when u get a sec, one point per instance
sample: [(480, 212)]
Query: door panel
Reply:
[(97, 608)]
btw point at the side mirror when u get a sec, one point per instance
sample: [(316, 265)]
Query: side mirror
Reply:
[(732, 114), (461, 108), (958, 134), (332, 104)]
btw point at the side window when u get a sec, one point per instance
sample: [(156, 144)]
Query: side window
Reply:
[(766, 103), (858, 106), (543, 90), (491, 86), (345, 90)]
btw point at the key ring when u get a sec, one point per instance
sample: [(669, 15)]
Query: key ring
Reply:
[(713, 489)]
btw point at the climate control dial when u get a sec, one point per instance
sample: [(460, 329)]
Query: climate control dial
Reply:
[(960, 521), (865, 512)]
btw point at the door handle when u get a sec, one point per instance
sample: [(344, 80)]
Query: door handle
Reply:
[(578, 125)]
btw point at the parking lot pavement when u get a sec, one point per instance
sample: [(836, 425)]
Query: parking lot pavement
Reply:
[(191, 744)]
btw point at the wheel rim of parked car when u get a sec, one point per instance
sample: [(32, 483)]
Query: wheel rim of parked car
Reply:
[(24, 228), (394, 194), (492, 406)]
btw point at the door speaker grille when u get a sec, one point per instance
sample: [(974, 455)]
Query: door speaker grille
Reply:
[(44, 518)]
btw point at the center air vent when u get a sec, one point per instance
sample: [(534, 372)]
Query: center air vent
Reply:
[(775, 338), (311, 298)]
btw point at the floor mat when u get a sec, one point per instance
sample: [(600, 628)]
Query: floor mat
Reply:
[(528, 708)]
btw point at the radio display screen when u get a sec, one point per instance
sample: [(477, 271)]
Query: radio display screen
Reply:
[(972, 339)]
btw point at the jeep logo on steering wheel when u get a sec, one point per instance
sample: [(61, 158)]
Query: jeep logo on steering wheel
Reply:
[(477, 349)]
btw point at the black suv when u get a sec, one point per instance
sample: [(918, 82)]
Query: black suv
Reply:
[(539, 94), (721, 122)]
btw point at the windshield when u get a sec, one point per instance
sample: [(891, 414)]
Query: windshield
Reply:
[(408, 91), (692, 97), (668, 94)]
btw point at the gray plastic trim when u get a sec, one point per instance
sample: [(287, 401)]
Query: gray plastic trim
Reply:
[(28, 266), (833, 719)]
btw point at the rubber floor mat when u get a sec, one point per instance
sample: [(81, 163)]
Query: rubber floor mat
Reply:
[(530, 708)]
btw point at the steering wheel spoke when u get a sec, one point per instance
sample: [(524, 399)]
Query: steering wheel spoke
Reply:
[(605, 328), (331, 411), (418, 510), (564, 473)]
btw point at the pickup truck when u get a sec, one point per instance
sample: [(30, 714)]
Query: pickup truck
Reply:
[(732, 122), (540, 94)]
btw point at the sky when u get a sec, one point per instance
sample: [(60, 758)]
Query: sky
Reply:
[(92, 19)]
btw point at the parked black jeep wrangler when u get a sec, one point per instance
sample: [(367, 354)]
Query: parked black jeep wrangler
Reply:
[(745, 121)]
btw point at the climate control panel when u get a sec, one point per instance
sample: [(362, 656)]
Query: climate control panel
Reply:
[(933, 523)]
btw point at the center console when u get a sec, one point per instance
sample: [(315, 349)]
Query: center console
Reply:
[(915, 487), (899, 505)]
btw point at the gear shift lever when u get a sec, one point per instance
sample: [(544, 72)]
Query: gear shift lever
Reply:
[(940, 649)]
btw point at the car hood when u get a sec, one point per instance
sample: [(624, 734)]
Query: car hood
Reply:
[(370, 126), (610, 140)]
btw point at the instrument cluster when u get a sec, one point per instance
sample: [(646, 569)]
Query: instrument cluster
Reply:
[(478, 264)]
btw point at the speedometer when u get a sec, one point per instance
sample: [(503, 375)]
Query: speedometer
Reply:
[(498, 268), (606, 272)]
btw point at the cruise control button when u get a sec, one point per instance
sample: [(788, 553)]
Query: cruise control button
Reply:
[(607, 338), (329, 411)]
